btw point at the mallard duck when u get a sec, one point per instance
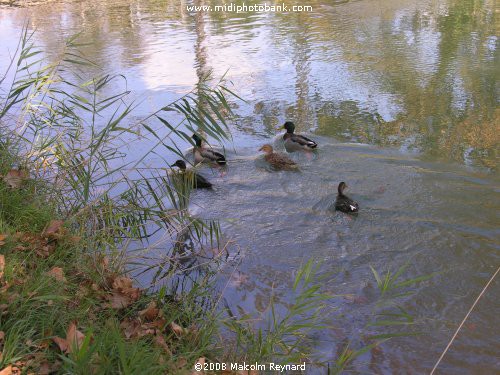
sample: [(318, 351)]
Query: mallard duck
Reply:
[(198, 181), (277, 160), (204, 154), (296, 142), (343, 202)]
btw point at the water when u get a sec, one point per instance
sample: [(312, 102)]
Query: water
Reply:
[(402, 97)]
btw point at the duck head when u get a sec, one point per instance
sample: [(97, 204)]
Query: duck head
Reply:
[(342, 187), (268, 149), (181, 164), (289, 126), (197, 139)]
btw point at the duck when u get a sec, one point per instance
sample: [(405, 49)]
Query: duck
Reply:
[(296, 142), (198, 181), (204, 154), (278, 161), (343, 202)]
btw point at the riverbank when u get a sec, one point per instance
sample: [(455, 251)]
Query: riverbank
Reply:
[(68, 307)]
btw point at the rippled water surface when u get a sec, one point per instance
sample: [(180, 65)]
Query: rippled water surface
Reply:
[(402, 97)]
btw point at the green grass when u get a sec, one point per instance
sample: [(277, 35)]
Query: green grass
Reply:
[(38, 307)]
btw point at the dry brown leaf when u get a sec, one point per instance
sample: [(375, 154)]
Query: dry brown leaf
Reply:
[(177, 329), (44, 368), (57, 273), (160, 341), (74, 337), (181, 363), (122, 283), (118, 300), (2, 335), (7, 371), (134, 328), (158, 324), (130, 328), (47, 368), (54, 229), (200, 361), (150, 312), (2, 239), (61, 343), (2, 264), (15, 178), (73, 340), (123, 293)]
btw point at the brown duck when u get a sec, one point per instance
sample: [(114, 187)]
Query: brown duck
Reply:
[(278, 161)]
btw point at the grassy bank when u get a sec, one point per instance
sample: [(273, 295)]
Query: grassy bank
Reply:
[(65, 309)]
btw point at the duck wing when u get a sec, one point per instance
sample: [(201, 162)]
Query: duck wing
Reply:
[(213, 156), (201, 182), (345, 204), (281, 161), (303, 141)]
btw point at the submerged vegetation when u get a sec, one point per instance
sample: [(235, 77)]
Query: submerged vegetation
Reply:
[(81, 290)]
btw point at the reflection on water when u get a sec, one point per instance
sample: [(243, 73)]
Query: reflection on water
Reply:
[(400, 93), (420, 76)]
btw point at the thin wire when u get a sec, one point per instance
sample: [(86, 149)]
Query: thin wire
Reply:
[(463, 321)]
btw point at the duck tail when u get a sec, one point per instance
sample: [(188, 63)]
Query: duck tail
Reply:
[(221, 161)]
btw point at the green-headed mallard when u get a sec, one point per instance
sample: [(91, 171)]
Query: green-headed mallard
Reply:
[(296, 142), (343, 202), (198, 181), (204, 154), (277, 160)]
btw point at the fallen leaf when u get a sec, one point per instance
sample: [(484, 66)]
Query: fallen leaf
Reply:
[(54, 229), (2, 239), (119, 300), (74, 337), (158, 324), (160, 341), (57, 273), (181, 363), (44, 368), (2, 265), (130, 328), (178, 330), (73, 340), (7, 371), (122, 283), (2, 335), (61, 343), (200, 362), (123, 293), (150, 312), (15, 178)]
